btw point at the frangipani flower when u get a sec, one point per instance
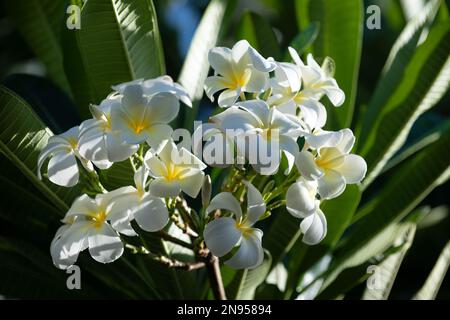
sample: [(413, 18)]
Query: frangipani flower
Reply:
[(62, 167), (270, 128), (237, 70), (301, 202), (317, 80), (333, 167), (174, 170), (86, 227), (223, 234), (150, 212), (144, 118), (98, 142), (158, 85)]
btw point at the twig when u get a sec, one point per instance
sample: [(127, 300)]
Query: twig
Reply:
[(215, 277), (177, 241)]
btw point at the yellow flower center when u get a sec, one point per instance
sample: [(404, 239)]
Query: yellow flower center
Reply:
[(329, 158), (106, 125), (173, 172), (244, 228), (98, 218), (239, 79), (73, 142)]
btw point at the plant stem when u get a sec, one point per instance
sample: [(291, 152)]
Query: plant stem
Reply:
[(215, 277), (164, 235)]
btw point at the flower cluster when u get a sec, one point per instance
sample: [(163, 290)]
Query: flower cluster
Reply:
[(272, 119)]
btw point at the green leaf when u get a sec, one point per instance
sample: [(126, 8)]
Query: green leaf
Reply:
[(433, 283), (387, 270), (118, 41), (245, 281), (196, 65), (304, 39), (340, 37), (414, 82), (412, 182), (40, 23), (22, 137), (258, 32)]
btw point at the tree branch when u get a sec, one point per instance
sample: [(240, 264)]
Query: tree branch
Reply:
[(215, 277)]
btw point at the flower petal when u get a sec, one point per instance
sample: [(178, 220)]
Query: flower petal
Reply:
[(228, 97), (151, 214), (221, 235), (259, 62), (256, 206), (314, 228), (250, 253), (220, 60), (63, 169), (105, 245), (306, 165), (225, 200), (331, 184), (161, 188), (213, 85), (191, 182), (353, 168), (117, 149), (300, 198), (162, 108), (158, 134)]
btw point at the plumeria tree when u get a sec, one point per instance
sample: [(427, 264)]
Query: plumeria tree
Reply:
[(263, 198)]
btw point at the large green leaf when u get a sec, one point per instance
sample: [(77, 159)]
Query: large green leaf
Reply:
[(340, 37), (258, 32), (118, 41), (433, 283), (40, 22), (196, 65), (405, 189), (387, 270), (422, 82), (245, 281), (22, 137)]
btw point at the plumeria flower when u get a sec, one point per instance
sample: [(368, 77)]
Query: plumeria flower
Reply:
[(144, 118), (317, 80), (333, 167), (98, 141), (223, 234), (301, 202), (174, 170), (150, 212), (86, 227), (158, 85), (237, 70), (62, 168), (268, 126)]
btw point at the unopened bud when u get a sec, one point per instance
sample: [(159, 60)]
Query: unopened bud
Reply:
[(206, 191)]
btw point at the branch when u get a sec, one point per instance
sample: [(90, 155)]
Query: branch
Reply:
[(164, 235), (215, 277)]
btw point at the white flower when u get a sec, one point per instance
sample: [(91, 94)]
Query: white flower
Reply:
[(150, 212), (158, 85), (333, 167), (86, 227), (237, 70), (271, 130), (174, 170), (98, 142), (223, 234), (301, 202), (62, 168), (317, 80), (144, 118)]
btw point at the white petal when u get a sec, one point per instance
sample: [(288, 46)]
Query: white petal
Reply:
[(158, 134), (314, 228), (313, 113), (257, 83), (300, 198), (82, 205), (221, 235), (306, 165), (151, 214), (289, 75), (228, 97), (290, 149), (353, 168), (191, 182), (213, 85), (166, 84), (120, 122), (256, 206), (225, 200), (105, 245), (324, 139), (117, 149), (333, 92), (258, 108), (140, 177), (295, 57), (156, 167), (239, 53), (163, 108), (220, 60), (134, 102), (63, 169), (259, 62), (347, 141), (331, 184), (162, 188), (49, 149), (250, 253)]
